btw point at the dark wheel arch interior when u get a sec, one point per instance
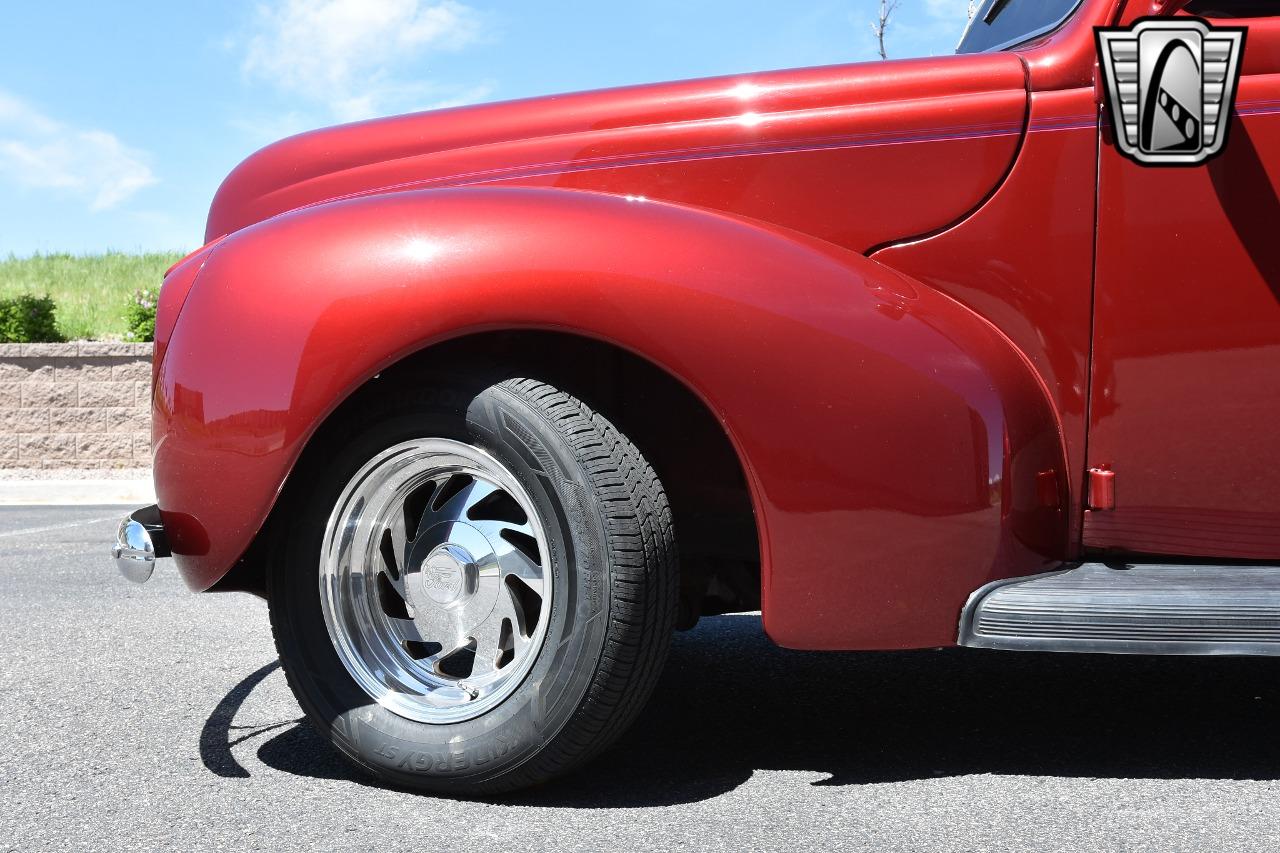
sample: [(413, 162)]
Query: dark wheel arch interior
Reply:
[(714, 522)]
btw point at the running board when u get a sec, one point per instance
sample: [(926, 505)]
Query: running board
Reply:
[(1130, 609)]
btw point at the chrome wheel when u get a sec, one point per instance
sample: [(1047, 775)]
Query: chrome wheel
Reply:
[(434, 580)]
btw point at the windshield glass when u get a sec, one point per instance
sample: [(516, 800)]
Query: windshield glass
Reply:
[(1003, 23)]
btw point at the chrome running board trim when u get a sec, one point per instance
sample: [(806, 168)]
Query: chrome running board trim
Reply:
[(1134, 608)]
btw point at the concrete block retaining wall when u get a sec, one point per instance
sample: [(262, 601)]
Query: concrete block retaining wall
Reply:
[(76, 405)]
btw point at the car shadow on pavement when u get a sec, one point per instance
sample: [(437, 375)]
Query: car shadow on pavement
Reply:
[(731, 703)]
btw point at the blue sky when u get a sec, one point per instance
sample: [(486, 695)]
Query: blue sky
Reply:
[(119, 119)]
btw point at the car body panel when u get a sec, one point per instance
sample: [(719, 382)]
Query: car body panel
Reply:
[(914, 436), (858, 154), (1032, 287), (912, 425), (1187, 338)]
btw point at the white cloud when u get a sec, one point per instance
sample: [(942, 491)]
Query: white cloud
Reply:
[(942, 24), (262, 128), (951, 11), (39, 152), (461, 97), (349, 54)]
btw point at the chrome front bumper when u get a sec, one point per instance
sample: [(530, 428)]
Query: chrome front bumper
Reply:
[(140, 539)]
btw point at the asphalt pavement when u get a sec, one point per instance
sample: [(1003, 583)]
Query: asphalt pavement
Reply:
[(146, 717)]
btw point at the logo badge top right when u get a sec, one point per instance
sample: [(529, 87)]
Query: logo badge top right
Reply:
[(1171, 85)]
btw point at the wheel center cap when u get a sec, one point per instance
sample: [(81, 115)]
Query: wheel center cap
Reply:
[(448, 574)]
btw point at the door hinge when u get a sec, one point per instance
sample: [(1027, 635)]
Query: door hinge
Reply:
[(1102, 488)]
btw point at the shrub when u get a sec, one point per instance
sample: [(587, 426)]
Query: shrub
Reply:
[(26, 319), (90, 290), (140, 315)]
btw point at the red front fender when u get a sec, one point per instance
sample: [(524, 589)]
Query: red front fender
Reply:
[(899, 451)]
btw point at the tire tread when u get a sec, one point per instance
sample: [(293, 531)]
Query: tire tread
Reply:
[(643, 580)]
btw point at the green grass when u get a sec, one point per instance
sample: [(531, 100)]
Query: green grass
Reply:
[(90, 291)]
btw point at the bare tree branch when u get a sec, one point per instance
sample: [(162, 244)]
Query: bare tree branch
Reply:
[(881, 26)]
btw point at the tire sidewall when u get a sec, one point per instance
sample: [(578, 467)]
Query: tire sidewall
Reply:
[(496, 743)]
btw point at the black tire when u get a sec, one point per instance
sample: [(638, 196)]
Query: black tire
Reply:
[(608, 525)]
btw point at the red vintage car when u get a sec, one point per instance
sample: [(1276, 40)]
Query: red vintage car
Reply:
[(949, 351)]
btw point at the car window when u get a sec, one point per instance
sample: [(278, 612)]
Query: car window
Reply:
[(1004, 23)]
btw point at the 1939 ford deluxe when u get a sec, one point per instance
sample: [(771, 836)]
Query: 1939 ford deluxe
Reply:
[(979, 350)]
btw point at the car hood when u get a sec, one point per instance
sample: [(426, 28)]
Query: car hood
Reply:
[(912, 143)]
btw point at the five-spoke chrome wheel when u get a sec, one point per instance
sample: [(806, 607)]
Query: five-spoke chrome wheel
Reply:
[(435, 581)]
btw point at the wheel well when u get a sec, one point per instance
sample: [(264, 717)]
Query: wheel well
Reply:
[(681, 438)]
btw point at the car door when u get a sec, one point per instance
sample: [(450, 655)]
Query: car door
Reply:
[(1185, 384)]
